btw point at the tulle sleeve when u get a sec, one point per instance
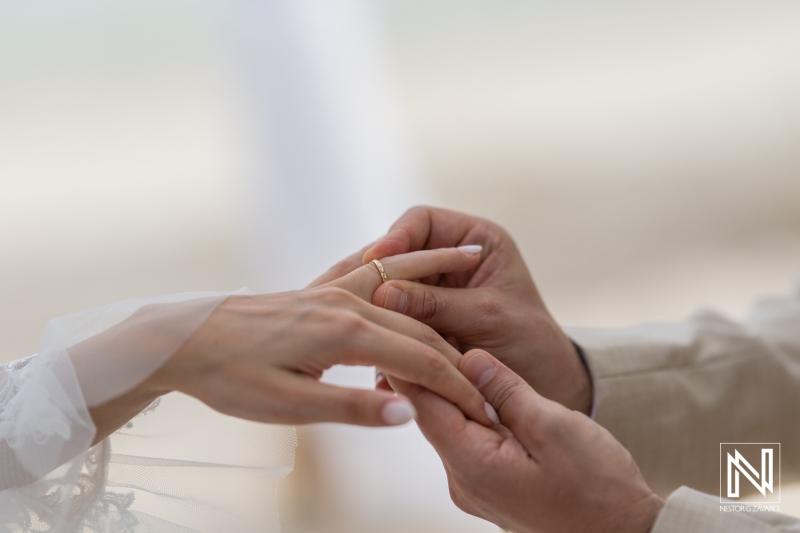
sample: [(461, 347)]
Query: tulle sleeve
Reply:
[(176, 467)]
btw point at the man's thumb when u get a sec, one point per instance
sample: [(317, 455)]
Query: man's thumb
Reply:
[(515, 401)]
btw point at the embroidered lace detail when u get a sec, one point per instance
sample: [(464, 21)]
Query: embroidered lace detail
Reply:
[(28, 412), (36, 508), (11, 375), (78, 489), (95, 509)]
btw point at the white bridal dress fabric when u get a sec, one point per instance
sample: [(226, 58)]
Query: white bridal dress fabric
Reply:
[(178, 466)]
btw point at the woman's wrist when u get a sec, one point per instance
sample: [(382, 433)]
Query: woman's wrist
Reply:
[(153, 323), (112, 415)]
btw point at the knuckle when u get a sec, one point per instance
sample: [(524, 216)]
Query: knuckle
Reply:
[(327, 316), (286, 409), (335, 297), (425, 304), (490, 307), (286, 413), (506, 391), (458, 498), (546, 425), (336, 323), (353, 409), (349, 323), (416, 211), (490, 312), (429, 335), (436, 364)]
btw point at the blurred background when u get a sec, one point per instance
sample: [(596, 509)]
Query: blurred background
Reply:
[(644, 155)]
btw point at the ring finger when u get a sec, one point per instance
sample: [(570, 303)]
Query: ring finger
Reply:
[(411, 266)]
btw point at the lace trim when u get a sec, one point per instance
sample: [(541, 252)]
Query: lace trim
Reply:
[(88, 507), (78, 491), (29, 411), (11, 375)]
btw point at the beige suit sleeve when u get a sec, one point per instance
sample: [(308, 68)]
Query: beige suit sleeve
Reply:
[(689, 511), (672, 393)]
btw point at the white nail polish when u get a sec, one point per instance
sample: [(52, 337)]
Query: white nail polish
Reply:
[(398, 412), (471, 248), (491, 413)]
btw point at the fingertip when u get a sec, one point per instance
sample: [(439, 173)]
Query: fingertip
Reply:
[(398, 411), (471, 249), (491, 412), (478, 366), (488, 414)]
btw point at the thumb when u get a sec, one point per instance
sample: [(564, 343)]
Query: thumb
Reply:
[(448, 310), (521, 409)]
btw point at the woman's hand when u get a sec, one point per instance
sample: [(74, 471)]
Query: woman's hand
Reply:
[(261, 357)]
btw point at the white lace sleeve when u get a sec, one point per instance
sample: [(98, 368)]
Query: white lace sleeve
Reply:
[(177, 467)]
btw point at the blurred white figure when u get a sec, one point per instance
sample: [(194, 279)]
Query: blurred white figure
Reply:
[(334, 172)]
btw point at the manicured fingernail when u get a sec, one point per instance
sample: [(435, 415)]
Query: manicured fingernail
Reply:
[(491, 413), (479, 369), (471, 248), (379, 376), (396, 300), (398, 412)]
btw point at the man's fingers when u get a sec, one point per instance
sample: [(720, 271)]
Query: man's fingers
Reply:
[(457, 440), (522, 410), (363, 281), (440, 421), (419, 228), (318, 402), (449, 311)]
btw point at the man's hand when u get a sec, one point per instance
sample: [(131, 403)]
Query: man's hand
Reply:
[(494, 306), (546, 469)]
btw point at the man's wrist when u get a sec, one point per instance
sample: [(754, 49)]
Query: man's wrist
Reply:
[(643, 518)]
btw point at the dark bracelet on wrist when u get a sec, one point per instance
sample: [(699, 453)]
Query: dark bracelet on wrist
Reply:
[(582, 356), (585, 362)]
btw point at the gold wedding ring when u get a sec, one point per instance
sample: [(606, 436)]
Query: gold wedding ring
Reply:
[(381, 271)]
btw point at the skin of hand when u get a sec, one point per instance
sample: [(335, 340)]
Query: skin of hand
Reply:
[(545, 469), (260, 357), (494, 306)]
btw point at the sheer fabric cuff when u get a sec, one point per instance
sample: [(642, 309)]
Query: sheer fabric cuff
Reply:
[(178, 466)]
